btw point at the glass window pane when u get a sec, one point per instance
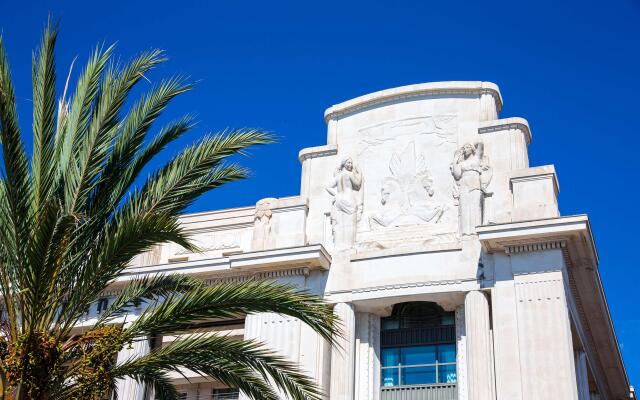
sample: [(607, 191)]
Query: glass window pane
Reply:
[(448, 319), (418, 355), (447, 353), (390, 324), (418, 375), (390, 377), (447, 373), (390, 357)]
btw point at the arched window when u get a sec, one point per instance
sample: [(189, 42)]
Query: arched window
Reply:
[(418, 345)]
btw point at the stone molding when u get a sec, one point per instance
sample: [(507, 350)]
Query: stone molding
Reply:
[(413, 91), (506, 124), (534, 246), (402, 286), (300, 271), (536, 173), (365, 254), (317, 151)]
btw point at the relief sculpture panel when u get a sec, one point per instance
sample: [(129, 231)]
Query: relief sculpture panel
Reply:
[(407, 199), (407, 193)]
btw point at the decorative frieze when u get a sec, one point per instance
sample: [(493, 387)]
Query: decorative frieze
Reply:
[(536, 246)]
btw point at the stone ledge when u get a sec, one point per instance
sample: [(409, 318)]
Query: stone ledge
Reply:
[(500, 236), (533, 173), (311, 256), (506, 124), (318, 151)]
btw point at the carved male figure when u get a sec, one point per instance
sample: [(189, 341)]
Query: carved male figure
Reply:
[(347, 203), (472, 172)]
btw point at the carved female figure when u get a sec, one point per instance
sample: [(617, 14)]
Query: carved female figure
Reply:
[(471, 170), (347, 204), (263, 237)]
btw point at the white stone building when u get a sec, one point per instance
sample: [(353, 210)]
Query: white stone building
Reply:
[(443, 251)]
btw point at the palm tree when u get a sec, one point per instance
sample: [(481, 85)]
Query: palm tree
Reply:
[(76, 212)]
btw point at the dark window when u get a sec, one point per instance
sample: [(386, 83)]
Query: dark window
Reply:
[(225, 394), (418, 345), (102, 305)]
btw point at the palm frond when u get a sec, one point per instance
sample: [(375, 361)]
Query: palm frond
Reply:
[(233, 300), (104, 124), (165, 190), (17, 189), (44, 115), (77, 121), (145, 289)]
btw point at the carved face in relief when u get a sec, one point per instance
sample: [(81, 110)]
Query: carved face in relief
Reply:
[(348, 164), (468, 150)]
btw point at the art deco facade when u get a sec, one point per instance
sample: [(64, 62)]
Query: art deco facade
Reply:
[(442, 249)]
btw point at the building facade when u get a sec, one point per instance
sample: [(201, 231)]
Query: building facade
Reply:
[(443, 252)]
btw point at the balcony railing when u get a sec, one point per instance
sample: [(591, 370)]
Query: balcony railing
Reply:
[(445, 391)]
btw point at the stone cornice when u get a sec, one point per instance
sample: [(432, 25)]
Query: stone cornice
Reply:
[(499, 236), (527, 246), (506, 124), (381, 288), (243, 277), (318, 151), (310, 256), (411, 91)]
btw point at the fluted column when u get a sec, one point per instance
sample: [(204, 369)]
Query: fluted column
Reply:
[(480, 376), (343, 355), (367, 363), (582, 375), (128, 388), (278, 333)]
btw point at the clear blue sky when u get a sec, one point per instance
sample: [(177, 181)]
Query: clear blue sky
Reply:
[(570, 67)]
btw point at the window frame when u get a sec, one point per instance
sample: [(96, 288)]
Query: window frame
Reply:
[(400, 367)]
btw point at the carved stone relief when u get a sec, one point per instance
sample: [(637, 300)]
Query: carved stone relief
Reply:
[(217, 241), (443, 127), (263, 235), (472, 172), (407, 200), (406, 194), (347, 203)]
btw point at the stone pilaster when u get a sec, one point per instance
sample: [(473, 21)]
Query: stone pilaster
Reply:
[(582, 375), (479, 347), (128, 388), (343, 355), (461, 355), (279, 334), (544, 330), (367, 364)]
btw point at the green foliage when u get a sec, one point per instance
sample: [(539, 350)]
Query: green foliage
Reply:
[(73, 217)]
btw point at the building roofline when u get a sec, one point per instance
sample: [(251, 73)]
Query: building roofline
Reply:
[(420, 89)]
